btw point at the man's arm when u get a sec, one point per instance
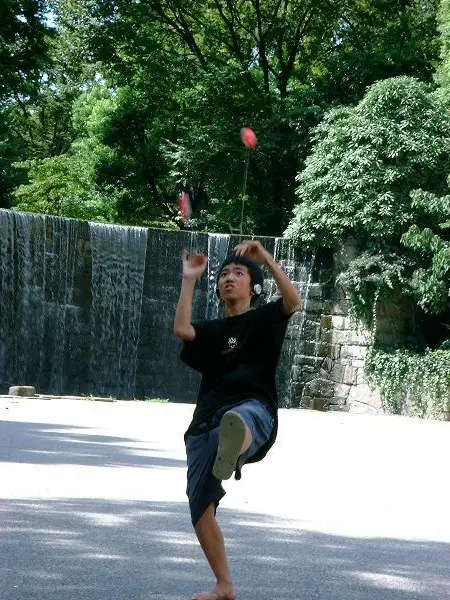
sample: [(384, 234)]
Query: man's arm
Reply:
[(254, 250), (193, 268), (182, 327), (291, 298)]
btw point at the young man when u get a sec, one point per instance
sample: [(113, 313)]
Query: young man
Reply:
[(235, 419)]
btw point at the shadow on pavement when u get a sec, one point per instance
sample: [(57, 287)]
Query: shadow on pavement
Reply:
[(42, 443), (107, 550)]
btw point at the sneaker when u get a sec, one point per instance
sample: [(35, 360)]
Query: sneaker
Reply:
[(231, 437)]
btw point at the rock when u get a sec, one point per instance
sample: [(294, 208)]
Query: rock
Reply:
[(340, 336), (326, 335), (334, 308), (324, 349), (310, 330), (354, 352), (319, 403), (26, 391), (358, 363), (362, 399), (326, 322), (335, 351), (315, 291), (337, 373), (350, 375), (342, 390), (319, 388), (314, 306), (302, 359), (360, 337), (339, 322)]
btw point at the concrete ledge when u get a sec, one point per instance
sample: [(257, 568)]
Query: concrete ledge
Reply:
[(48, 397), (24, 391)]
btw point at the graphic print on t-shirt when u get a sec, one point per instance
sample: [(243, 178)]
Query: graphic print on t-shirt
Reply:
[(232, 344)]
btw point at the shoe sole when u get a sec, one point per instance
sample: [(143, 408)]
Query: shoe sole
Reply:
[(231, 437)]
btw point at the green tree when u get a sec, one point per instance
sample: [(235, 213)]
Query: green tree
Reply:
[(11, 151), (190, 74), (64, 186), (23, 46), (272, 65), (225, 65), (412, 382), (443, 67), (379, 39), (360, 180), (65, 183), (109, 173), (367, 160), (431, 278), (41, 123), (128, 139), (24, 39)]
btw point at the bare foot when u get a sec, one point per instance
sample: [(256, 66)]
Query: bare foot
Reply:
[(221, 591)]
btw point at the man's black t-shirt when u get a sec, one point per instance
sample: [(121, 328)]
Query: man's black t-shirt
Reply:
[(237, 357)]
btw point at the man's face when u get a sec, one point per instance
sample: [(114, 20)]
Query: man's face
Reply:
[(235, 283)]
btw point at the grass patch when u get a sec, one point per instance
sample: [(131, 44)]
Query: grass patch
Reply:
[(157, 400)]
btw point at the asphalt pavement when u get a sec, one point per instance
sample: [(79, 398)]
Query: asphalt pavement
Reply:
[(344, 507)]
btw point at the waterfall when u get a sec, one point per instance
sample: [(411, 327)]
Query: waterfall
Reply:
[(218, 247), (61, 316), (299, 272), (87, 308), (118, 267), (37, 263), (23, 275)]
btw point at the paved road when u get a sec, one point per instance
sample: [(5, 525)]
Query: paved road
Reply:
[(345, 507)]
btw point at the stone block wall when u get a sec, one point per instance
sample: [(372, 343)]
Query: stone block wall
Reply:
[(329, 368), (50, 348), (329, 365)]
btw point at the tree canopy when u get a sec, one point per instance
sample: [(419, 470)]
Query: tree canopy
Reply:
[(182, 78), (23, 51), (366, 161)]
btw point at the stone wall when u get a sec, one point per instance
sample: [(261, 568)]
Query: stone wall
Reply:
[(47, 335), (330, 365)]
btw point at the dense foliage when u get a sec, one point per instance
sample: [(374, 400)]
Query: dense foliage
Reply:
[(170, 84), (411, 383), (23, 51), (365, 162)]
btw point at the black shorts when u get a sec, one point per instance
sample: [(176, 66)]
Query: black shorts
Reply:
[(203, 488)]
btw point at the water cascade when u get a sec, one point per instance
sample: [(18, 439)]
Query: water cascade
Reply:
[(87, 308), (300, 272), (218, 250), (38, 320), (118, 267)]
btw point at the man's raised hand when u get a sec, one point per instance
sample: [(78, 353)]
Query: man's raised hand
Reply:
[(193, 265), (252, 249)]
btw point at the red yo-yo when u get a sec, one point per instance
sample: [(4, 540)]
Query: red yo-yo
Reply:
[(184, 206), (248, 137)]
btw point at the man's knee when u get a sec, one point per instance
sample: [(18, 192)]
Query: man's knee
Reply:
[(207, 517)]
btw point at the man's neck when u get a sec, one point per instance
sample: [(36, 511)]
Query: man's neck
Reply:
[(237, 308)]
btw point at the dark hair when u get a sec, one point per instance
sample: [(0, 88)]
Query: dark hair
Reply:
[(255, 272)]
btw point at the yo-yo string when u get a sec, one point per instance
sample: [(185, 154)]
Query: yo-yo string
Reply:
[(244, 189)]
